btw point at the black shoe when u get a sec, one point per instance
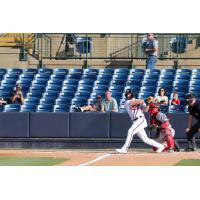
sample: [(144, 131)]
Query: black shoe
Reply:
[(177, 149), (77, 109), (190, 149)]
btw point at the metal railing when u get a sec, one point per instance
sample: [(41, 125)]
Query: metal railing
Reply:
[(106, 47)]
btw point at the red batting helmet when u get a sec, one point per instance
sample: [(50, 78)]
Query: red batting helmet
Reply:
[(153, 108)]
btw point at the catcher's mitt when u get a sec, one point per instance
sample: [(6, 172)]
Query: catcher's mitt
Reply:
[(149, 100), (153, 127)]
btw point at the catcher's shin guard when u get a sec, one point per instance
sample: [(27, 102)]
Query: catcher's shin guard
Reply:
[(170, 142)]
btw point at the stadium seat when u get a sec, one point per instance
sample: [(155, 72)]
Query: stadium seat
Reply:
[(63, 101), (11, 108), (45, 71), (44, 108), (14, 71), (106, 71), (137, 71), (61, 108), (60, 71), (28, 108), (32, 71)]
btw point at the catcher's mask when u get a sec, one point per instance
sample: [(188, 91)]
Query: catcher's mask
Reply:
[(153, 108), (190, 98), (129, 94)]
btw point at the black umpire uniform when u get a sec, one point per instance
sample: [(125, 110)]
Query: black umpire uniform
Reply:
[(194, 111)]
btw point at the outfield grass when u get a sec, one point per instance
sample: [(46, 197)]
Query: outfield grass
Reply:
[(30, 161), (189, 162)]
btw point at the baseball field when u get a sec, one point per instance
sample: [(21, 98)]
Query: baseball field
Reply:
[(107, 157)]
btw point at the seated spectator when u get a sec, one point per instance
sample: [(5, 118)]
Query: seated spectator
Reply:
[(109, 104), (175, 100), (161, 99), (92, 107), (16, 96)]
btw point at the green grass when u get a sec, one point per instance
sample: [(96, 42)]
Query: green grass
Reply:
[(188, 162), (30, 161)]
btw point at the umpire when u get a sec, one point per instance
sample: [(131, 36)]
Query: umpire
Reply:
[(194, 111)]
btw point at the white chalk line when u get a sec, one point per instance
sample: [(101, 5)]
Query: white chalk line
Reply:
[(96, 159)]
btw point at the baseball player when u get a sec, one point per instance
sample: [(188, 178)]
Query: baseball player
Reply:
[(160, 124), (135, 107)]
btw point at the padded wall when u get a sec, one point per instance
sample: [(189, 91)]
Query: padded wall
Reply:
[(14, 125), (51, 125), (89, 124)]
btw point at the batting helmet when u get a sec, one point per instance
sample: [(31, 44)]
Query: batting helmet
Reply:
[(129, 94), (153, 108)]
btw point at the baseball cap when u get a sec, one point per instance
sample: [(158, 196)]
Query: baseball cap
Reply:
[(190, 96)]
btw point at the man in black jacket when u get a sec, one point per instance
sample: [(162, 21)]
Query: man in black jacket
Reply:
[(194, 111)]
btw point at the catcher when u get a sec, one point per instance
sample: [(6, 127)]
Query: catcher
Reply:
[(159, 123)]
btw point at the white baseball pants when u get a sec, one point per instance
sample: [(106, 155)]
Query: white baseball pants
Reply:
[(138, 128)]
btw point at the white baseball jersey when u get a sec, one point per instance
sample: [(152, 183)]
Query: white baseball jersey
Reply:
[(134, 112)]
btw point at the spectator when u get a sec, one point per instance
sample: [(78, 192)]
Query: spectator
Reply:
[(109, 104), (175, 100), (17, 96), (150, 46), (161, 99), (92, 107)]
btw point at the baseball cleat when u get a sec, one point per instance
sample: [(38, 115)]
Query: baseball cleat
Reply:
[(160, 149), (124, 151)]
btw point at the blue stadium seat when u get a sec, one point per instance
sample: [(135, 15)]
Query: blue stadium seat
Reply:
[(63, 100), (70, 88), (36, 94), (151, 82), (14, 71), (102, 82), (28, 108), (85, 88), (137, 71), (195, 71), (61, 108), (47, 100), (31, 100), (58, 77), (70, 82), (60, 71), (182, 77), (69, 94), (79, 101), (11, 76), (32, 71), (168, 71), (106, 71), (44, 108), (122, 109), (42, 76), (154, 72), (91, 71), (86, 82), (11, 108), (119, 88), (3, 71), (184, 71), (175, 109), (104, 76), (135, 77), (45, 71), (148, 88), (134, 82), (124, 71)]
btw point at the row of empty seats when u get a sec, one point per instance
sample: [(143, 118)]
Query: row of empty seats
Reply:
[(59, 90)]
